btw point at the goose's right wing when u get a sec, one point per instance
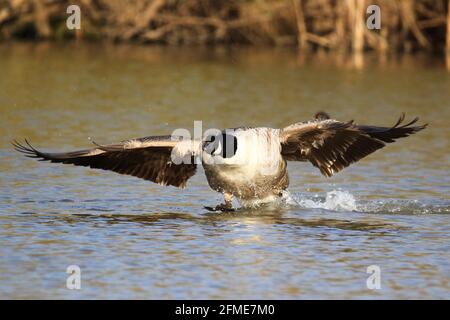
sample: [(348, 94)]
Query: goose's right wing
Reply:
[(162, 159)]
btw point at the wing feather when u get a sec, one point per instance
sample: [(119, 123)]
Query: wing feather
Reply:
[(149, 158), (332, 145)]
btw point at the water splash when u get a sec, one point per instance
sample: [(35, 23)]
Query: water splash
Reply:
[(341, 200), (336, 200), (344, 201)]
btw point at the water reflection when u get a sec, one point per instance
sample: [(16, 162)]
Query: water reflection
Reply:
[(244, 217)]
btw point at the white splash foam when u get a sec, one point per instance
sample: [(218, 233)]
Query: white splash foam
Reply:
[(341, 200), (336, 200)]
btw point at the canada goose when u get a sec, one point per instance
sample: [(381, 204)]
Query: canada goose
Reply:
[(246, 163)]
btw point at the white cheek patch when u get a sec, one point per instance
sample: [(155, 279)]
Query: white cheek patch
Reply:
[(218, 149)]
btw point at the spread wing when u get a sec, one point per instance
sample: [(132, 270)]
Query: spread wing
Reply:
[(331, 145), (157, 158)]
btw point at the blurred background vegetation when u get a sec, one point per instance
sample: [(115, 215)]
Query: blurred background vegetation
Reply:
[(407, 25), (333, 26)]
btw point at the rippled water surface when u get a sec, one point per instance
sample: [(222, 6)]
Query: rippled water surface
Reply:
[(135, 239)]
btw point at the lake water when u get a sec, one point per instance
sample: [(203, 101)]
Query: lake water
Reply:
[(135, 239)]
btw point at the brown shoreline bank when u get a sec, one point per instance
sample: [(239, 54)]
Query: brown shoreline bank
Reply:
[(336, 26), (406, 25)]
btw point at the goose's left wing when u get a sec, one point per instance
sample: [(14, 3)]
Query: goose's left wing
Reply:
[(331, 145), (157, 158)]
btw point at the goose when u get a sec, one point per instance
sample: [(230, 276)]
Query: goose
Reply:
[(247, 163)]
